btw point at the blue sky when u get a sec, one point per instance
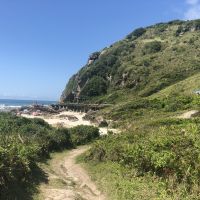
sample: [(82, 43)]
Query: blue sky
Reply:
[(44, 42)]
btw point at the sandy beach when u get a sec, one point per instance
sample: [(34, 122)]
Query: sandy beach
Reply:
[(62, 119)]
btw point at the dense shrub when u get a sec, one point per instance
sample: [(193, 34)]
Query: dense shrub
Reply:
[(179, 31), (170, 151), (174, 103), (160, 28), (152, 47), (103, 123), (81, 135), (188, 26), (60, 139), (176, 22), (94, 87), (171, 103), (24, 142), (136, 33), (94, 56)]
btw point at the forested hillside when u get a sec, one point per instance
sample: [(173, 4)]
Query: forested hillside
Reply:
[(145, 62)]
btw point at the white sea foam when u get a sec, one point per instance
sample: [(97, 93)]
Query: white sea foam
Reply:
[(9, 104), (4, 107)]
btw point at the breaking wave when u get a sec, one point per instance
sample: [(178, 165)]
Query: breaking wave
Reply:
[(5, 107)]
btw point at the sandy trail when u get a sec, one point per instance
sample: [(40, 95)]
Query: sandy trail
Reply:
[(67, 180), (188, 115)]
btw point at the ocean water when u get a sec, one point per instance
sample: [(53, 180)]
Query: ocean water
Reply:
[(8, 104)]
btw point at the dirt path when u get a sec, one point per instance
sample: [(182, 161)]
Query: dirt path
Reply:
[(67, 180), (188, 115)]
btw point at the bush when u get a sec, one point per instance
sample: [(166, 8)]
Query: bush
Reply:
[(94, 87), (81, 135), (179, 31), (17, 161), (94, 56), (103, 123), (24, 142), (176, 22), (160, 28), (188, 26), (136, 33), (60, 139), (170, 152), (152, 47), (174, 103)]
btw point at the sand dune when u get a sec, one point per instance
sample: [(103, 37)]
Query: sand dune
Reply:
[(62, 120)]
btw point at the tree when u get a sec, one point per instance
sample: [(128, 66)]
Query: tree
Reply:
[(136, 33), (152, 47), (94, 87)]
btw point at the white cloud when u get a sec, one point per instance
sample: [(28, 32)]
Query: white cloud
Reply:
[(193, 11), (192, 2)]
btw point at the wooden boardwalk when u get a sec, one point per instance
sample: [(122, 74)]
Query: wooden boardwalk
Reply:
[(79, 106)]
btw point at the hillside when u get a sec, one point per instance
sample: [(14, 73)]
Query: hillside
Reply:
[(149, 78), (145, 62), (186, 87)]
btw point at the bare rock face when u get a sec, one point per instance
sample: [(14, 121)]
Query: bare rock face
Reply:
[(69, 117), (72, 89), (98, 120), (93, 57), (72, 118), (90, 116)]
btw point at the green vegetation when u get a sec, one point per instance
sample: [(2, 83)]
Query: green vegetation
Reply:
[(147, 61), (185, 87), (150, 78), (136, 33), (188, 26), (81, 134), (25, 142), (158, 160), (157, 155), (94, 87), (152, 47)]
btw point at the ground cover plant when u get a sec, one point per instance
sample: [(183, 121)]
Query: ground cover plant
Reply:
[(164, 152), (25, 142)]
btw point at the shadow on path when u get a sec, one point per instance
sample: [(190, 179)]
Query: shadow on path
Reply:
[(24, 190)]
